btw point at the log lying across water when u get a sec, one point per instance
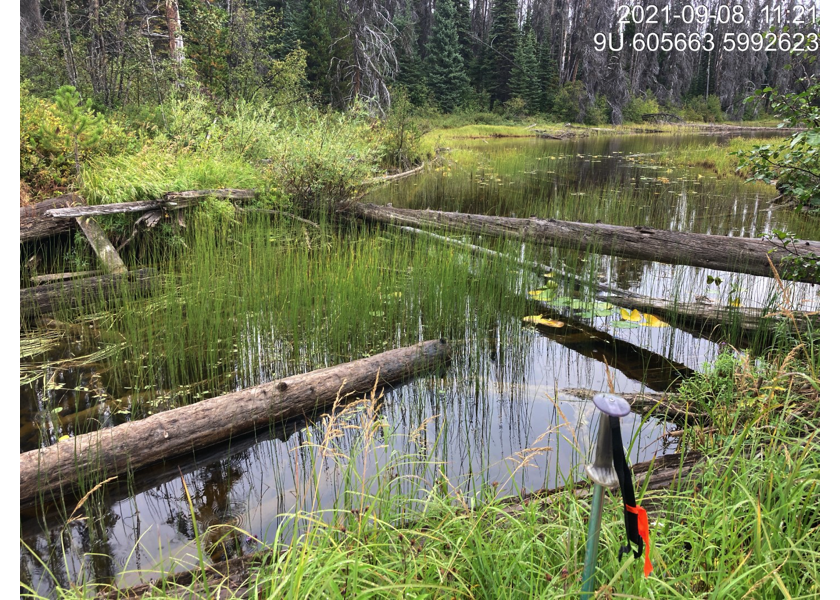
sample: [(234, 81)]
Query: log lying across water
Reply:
[(739, 255), (136, 444), (46, 299), (170, 201), (56, 215), (696, 317)]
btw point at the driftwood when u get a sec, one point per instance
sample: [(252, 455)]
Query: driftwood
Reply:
[(46, 299), (136, 444), (33, 223), (740, 255)]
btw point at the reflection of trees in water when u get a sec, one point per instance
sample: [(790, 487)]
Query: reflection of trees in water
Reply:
[(59, 554), (214, 506), (627, 274)]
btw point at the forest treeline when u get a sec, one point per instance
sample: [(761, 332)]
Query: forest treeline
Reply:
[(512, 57)]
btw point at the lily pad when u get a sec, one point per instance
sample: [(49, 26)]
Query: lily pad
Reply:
[(544, 295), (539, 320), (625, 325)]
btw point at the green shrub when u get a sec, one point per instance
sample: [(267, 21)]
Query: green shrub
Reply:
[(570, 102), (640, 105)]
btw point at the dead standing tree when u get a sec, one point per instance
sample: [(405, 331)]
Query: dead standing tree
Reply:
[(372, 60)]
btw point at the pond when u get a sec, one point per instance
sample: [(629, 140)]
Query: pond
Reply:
[(260, 299)]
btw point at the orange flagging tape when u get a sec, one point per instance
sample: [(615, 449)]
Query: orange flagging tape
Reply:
[(644, 531)]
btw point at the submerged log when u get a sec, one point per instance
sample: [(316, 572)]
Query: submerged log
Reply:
[(696, 317), (46, 299), (656, 371), (35, 225), (706, 319), (739, 255), (136, 444)]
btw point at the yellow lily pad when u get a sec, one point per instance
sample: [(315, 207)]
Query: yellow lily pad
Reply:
[(544, 295), (634, 316), (539, 320), (652, 321)]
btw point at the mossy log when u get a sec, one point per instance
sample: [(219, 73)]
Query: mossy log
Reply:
[(738, 255), (110, 452)]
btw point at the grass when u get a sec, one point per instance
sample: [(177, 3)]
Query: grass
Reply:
[(747, 525), (242, 300)]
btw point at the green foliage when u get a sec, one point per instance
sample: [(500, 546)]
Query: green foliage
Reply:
[(525, 78), (315, 39), (446, 76), (504, 34), (208, 44), (798, 264), (320, 159), (570, 102), (794, 164), (401, 133), (52, 136), (159, 168), (598, 112), (703, 109), (640, 105), (79, 128)]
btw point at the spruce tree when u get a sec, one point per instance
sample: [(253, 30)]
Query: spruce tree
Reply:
[(524, 81), (503, 38), (546, 75), (446, 77), (411, 74), (315, 39)]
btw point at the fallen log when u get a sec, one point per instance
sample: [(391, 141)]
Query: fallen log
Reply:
[(33, 223), (395, 176), (704, 318), (53, 277), (739, 255), (170, 201), (657, 372), (46, 299), (102, 246), (696, 317), (105, 453)]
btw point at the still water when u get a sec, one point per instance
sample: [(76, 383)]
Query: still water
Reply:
[(494, 422)]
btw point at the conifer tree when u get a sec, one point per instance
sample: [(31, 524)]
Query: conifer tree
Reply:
[(524, 81), (80, 128), (546, 75), (315, 39), (446, 77), (503, 39)]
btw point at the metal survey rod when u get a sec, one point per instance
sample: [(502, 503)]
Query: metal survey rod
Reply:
[(603, 475)]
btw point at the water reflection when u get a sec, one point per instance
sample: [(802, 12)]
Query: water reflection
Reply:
[(494, 417)]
